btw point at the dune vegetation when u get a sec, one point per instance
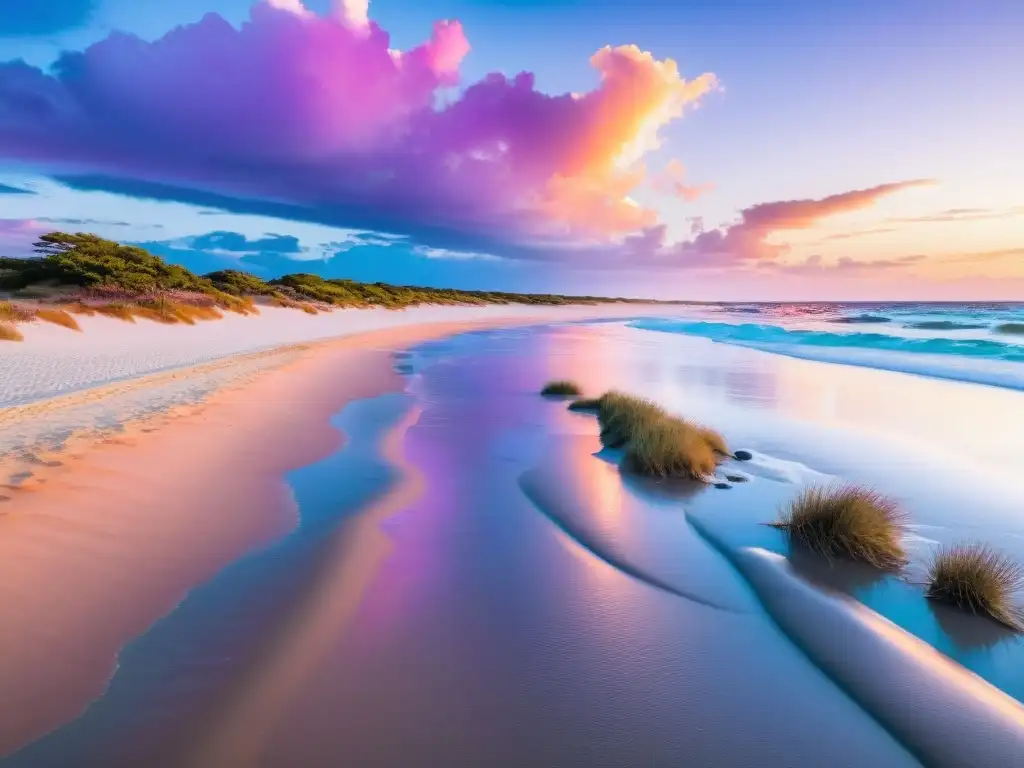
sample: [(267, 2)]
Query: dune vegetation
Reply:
[(86, 274), (847, 521), (9, 332), (654, 442), (561, 387), (978, 579), (57, 317)]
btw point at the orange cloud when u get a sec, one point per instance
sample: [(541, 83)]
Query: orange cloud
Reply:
[(671, 181), (636, 97), (803, 214), (748, 240)]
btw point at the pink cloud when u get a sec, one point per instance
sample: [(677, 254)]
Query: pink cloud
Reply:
[(319, 118), (671, 181), (748, 240)]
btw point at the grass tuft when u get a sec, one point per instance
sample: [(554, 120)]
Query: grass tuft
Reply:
[(14, 313), (978, 579), (714, 440), (9, 333), (669, 447), (847, 520), (561, 387), (655, 443), (58, 317), (116, 309), (586, 404), (621, 416)]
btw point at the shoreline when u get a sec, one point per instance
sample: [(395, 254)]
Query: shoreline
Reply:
[(131, 524), (111, 531), (54, 360)]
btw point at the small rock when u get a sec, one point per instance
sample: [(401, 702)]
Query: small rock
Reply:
[(736, 478), (722, 486), (743, 455)]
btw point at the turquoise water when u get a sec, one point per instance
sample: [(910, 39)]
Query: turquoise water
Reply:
[(978, 343)]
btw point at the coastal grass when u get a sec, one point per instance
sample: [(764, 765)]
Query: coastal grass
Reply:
[(977, 578), (59, 317), (654, 442), (561, 387), (847, 521), (669, 448), (117, 309), (621, 417), (586, 404), (97, 276), (8, 332), (14, 313)]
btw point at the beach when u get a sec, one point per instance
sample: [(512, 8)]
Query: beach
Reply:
[(363, 538)]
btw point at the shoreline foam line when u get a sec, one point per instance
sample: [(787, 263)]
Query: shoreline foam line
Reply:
[(945, 715), (1005, 373)]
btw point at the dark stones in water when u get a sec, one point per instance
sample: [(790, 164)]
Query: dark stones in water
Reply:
[(736, 478), (861, 319), (722, 486), (743, 455)]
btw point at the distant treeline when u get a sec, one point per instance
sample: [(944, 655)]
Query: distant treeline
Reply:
[(102, 267)]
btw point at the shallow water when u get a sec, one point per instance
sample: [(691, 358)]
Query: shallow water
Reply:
[(535, 607), (981, 343)]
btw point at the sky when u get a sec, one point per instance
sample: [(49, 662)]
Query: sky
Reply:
[(683, 149)]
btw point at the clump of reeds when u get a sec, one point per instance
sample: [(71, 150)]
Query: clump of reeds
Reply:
[(8, 332), (58, 317), (847, 521), (654, 442), (621, 416), (561, 387), (669, 447), (979, 579)]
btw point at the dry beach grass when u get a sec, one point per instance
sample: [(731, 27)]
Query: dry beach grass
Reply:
[(847, 521), (655, 443), (978, 579)]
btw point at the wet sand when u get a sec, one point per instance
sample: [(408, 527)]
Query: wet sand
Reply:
[(109, 532), (467, 583)]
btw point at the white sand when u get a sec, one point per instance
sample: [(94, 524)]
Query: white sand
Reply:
[(54, 360)]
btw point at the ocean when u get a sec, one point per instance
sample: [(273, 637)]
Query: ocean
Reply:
[(980, 343)]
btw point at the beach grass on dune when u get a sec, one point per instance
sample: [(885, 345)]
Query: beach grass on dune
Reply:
[(847, 521), (8, 332), (115, 309), (59, 317), (87, 270), (978, 579), (13, 313), (585, 404), (561, 387)]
